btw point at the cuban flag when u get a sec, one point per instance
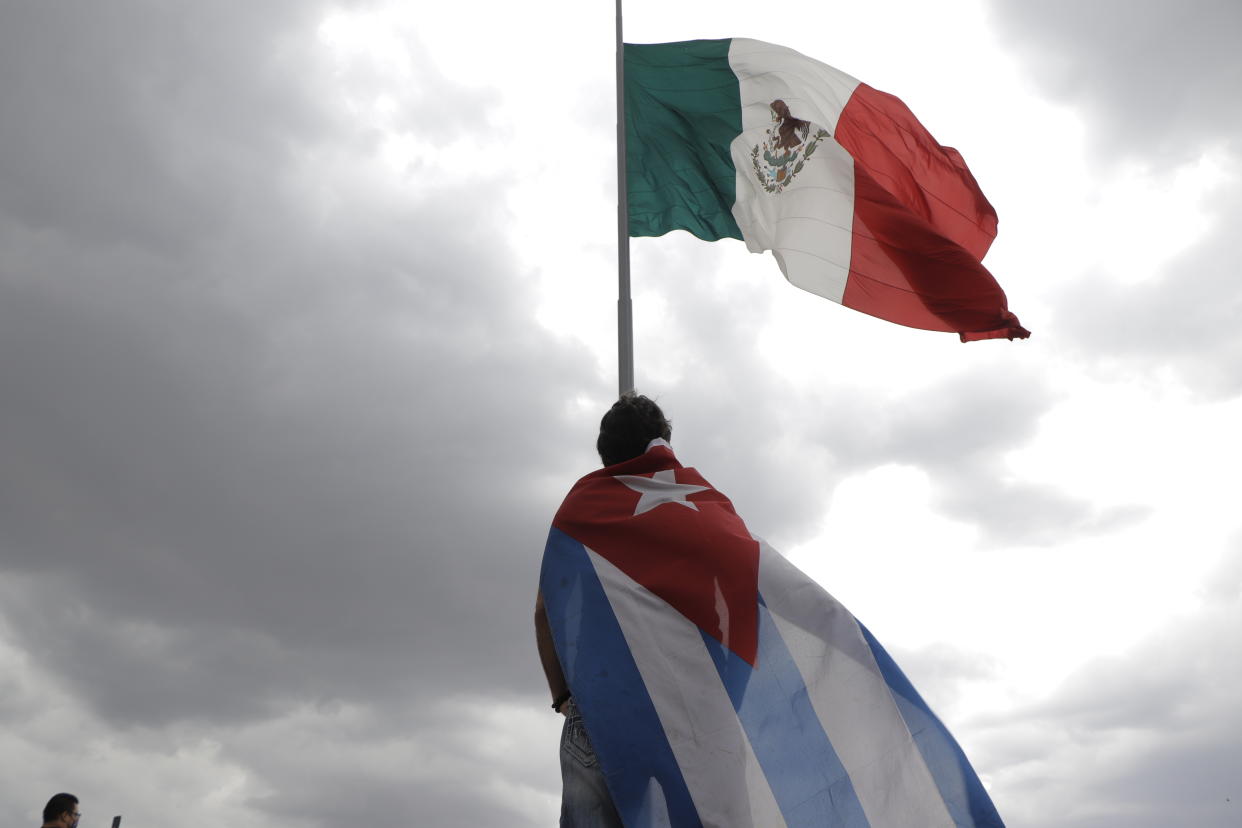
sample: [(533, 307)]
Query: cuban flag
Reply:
[(719, 685)]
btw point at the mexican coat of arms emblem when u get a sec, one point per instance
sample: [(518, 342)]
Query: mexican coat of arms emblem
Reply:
[(786, 148)]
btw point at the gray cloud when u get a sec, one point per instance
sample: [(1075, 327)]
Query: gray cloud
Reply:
[(1185, 320), (941, 670), (1153, 734), (274, 428), (442, 749), (281, 439), (1156, 84), (958, 430), (1157, 80)]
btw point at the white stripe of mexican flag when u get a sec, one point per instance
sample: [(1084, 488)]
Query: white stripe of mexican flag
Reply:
[(808, 224), (856, 200)]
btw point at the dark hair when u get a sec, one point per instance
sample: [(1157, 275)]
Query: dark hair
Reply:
[(627, 428), (62, 803)]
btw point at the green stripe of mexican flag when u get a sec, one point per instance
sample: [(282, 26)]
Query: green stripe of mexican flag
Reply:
[(855, 199)]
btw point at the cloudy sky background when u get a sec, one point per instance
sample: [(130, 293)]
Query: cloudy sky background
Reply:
[(306, 323)]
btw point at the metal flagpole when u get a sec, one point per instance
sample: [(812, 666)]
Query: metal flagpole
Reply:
[(625, 313)]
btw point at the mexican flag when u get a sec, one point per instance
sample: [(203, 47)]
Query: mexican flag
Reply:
[(856, 200)]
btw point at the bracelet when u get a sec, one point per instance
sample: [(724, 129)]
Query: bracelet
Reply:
[(561, 699)]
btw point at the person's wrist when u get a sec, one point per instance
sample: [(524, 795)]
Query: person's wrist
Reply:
[(560, 700)]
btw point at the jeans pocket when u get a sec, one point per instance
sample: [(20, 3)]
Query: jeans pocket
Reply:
[(575, 743)]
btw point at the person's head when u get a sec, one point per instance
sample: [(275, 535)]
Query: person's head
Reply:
[(627, 428), (61, 810)]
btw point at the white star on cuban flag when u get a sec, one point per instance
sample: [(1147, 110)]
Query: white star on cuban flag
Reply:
[(661, 487)]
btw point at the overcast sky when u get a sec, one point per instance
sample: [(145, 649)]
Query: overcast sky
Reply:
[(307, 322)]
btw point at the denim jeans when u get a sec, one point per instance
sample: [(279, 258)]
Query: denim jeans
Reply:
[(585, 801)]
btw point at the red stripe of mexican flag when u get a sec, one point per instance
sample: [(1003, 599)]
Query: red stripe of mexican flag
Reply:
[(855, 199)]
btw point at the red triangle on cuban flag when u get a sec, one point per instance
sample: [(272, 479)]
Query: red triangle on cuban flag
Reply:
[(669, 530)]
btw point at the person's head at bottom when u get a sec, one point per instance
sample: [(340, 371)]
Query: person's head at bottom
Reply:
[(628, 427), (61, 811)]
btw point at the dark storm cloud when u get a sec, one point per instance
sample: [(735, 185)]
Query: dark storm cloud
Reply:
[(1155, 79), (275, 428), (204, 101), (312, 471)]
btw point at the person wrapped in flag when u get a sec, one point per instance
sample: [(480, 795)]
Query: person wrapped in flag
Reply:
[(706, 681)]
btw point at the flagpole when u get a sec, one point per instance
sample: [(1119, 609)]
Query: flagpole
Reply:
[(625, 313)]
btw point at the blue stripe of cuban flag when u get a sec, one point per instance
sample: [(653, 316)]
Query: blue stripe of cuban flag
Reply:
[(638, 763), (811, 785)]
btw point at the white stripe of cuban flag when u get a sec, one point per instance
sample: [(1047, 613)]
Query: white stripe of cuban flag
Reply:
[(723, 776)]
